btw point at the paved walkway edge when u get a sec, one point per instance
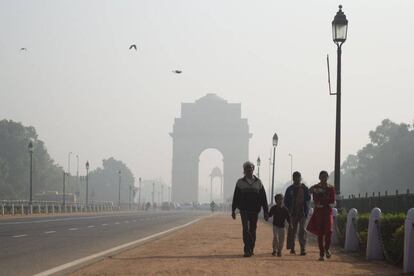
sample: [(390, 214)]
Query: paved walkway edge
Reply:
[(83, 261)]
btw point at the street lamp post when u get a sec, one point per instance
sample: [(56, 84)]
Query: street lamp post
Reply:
[(162, 194), (258, 167), (69, 154), (139, 192), (169, 193), (119, 189), (31, 148), (291, 164), (339, 34), (275, 142), (129, 198), (87, 183), (64, 190), (153, 194), (77, 172)]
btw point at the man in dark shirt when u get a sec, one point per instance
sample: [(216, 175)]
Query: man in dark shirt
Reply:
[(280, 215), (297, 200), (249, 197)]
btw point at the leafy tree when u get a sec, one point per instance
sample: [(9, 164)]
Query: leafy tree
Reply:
[(104, 182), (384, 164)]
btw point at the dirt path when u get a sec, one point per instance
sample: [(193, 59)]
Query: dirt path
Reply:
[(213, 246)]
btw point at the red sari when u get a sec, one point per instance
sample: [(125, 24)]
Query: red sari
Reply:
[(322, 219)]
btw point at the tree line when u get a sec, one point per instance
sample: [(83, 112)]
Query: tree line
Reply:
[(47, 174), (384, 164)]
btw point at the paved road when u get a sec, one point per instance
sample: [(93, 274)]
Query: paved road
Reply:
[(32, 245)]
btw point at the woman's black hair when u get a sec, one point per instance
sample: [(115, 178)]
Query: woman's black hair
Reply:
[(323, 172)]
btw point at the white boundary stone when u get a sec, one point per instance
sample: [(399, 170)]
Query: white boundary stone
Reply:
[(351, 238), (374, 248), (409, 242)]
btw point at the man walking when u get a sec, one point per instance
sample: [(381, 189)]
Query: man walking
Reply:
[(297, 200), (249, 197)]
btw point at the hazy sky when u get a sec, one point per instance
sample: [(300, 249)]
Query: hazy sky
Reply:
[(85, 92)]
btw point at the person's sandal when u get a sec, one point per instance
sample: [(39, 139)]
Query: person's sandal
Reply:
[(274, 253), (328, 254)]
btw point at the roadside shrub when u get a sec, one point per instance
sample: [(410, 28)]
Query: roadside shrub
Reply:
[(392, 234)]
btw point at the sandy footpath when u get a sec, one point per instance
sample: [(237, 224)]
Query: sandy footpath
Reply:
[(213, 246)]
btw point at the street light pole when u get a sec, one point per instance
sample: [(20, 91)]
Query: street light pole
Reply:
[(139, 192), (339, 33), (291, 164), (31, 174), (77, 172), (162, 193), (64, 190), (275, 142), (270, 174), (69, 154), (87, 183), (119, 189), (153, 194), (258, 167)]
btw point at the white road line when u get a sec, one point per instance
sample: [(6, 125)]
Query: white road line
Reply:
[(73, 229), (91, 226), (50, 232), (116, 223), (19, 236), (104, 224), (64, 219), (109, 251)]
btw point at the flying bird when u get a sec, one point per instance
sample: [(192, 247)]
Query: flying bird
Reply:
[(177, 71), (133, 46), (23, 49)]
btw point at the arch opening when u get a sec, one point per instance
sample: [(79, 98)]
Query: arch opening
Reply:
[(210, 176)]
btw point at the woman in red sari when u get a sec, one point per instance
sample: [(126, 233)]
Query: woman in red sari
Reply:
[(321, 221)]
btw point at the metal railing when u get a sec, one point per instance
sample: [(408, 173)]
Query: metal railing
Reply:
[(23, 207)]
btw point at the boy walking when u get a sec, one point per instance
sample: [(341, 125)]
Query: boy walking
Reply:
[(280, 215)]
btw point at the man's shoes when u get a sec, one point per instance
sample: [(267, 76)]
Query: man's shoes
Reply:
[(274, 253), (292, 252), (303, 253), (322, 258), (279, 254), (328, 254), (246, 255)]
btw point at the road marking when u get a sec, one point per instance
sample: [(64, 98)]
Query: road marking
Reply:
[(104, 224), (73, 229), (91, 226), (64, 219), (50, 232), (109, 251), (19, 236), (116, 223)]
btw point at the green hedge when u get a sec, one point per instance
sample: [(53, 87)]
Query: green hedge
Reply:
[(392, 232)]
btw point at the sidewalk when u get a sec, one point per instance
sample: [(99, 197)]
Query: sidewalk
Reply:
[(213, 246)]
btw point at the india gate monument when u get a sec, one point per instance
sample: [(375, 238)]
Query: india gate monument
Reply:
[(208, 123)]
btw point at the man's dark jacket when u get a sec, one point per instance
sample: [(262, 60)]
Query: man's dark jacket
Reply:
[(249, 197), (290, 195)]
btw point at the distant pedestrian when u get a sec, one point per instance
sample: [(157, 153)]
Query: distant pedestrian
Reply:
[(297, 200), (249, 197), (280, 215), (321, 221)]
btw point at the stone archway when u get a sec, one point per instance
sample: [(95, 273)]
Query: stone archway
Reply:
[(210, 122)]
